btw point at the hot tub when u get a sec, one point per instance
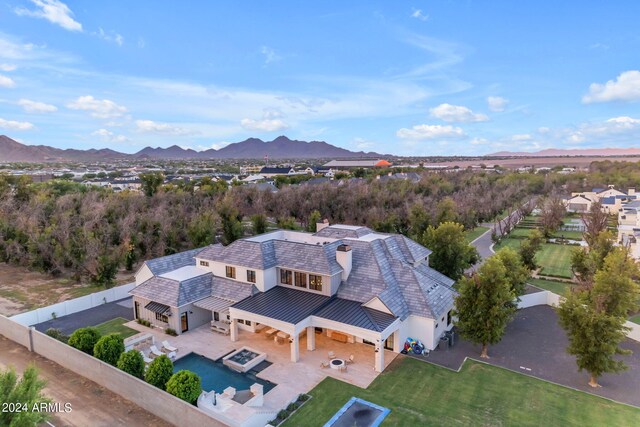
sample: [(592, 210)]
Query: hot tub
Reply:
[(244, 359)]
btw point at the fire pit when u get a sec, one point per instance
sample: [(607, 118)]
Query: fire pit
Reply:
[(337, 363)]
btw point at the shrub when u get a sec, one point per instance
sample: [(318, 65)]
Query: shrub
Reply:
[(84, 339), (159, 372), (283, 414), (132, 363), (303, 397), (185, 385), (144, 322), (24, 391), (109, 348), (171, 331), (292, 406), (57, 334)]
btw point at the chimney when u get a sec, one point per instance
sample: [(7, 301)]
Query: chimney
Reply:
[(321, 225), (345, 259), (631, 192)]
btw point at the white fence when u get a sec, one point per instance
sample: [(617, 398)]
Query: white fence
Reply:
[(549, 298), (71, 306)]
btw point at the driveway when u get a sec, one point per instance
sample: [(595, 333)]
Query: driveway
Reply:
[(90, 317), (534, 345)]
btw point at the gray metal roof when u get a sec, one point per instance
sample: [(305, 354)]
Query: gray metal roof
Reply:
[(156, 307), (231, 289), (353, 313), (173, 292), (172, 262), (284, 304), (214, 304)]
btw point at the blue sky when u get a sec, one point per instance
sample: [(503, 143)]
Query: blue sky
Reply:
[(407, 78)]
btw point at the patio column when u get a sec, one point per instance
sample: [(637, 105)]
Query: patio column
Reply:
[(234, 330), (396, 341), (295, 347), (311, 338), (379, 366)]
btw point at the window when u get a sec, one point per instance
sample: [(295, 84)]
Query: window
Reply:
[(231, 272), (315, 282), (247, 322), (162, 317), (251, 276), (216, 316), (449, 318), (300, 279), (286, 277), (204, 263)]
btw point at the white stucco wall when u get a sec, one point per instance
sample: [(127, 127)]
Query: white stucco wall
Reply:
[(143, 274), (195, 315)]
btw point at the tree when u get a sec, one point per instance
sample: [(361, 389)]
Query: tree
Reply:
[(151, 182), (451, 252), (202, 229), (551, 213), (594, 337), (288, 223), (159, 372), (132, 363), (446, 211), (109, 348), (485, 304), (84, 339), (314, 218), (595, 222), (614, 288), (106, 271), (529, 247), (231, 222), (185, 385), (259, 224), (517, 273), (418, 220), (28, 392), (585, 262)]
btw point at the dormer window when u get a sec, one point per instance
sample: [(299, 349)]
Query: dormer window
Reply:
[(286, 277), (300, 279), (251, 276), (315, 282), (204, 263), (230, 272)]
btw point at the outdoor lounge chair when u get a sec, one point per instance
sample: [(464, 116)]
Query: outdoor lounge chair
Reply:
[(343, 368), (145, 358), (349, 360), (324, 365), (154, 350), (169, 347), (332, 355)]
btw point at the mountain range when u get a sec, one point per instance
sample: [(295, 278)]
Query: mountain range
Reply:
[(252, 148), (559, 152)]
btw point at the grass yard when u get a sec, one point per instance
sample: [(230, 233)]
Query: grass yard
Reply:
[(419, 393), (571, 235), (555, 260), (556, 287), (472, 235), (635, 319), (116, 326)]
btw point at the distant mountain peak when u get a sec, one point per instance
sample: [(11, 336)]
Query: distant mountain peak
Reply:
[(560, 152)]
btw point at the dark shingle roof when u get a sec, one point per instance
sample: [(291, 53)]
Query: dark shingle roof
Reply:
[(172, 262), (341, 233), (284, 304), (172, 292), (354, 313), (231, 289)]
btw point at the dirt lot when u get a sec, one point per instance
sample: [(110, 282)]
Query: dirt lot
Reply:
[(92, 405), (22, 290)]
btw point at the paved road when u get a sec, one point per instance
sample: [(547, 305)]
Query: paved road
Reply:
[(90, 317), (534, 344)]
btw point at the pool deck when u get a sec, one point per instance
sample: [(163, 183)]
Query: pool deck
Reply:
[(291, 378)]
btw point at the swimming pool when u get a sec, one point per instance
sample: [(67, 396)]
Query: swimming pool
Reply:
[(216, 376)]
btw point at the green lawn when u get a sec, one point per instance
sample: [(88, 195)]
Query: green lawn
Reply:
[(421, 394), (635, 319), (556, 287), (116, 326), (571, 235), (472, 235), (555, 259)]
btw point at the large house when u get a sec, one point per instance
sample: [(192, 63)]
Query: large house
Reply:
[(629, 227), (610, 199), (348, 282)]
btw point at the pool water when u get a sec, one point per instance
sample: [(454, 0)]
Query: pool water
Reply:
[(216, 376), (243, 357)]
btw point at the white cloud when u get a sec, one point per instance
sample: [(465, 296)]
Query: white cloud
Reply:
[(7, 67), (13, 125), (6, 81), (478, 141), (431, 132), (264, 125), (109, 136), (270, 55), (111, 37), (149, 126), (497, 103), (101, 109), (626, 87), (36, 107), (521, 137), (53, 11), (456, 113), (599, 46), (417, 13)]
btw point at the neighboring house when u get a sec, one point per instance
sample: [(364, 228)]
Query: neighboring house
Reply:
[(578, 203), (270, 172), (611, 199), (629, 227), (348, 282), (357, 163)]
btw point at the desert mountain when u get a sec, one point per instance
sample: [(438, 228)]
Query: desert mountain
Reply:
[(558, 152)]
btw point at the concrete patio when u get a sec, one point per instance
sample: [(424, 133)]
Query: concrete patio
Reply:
[(291, 378)]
